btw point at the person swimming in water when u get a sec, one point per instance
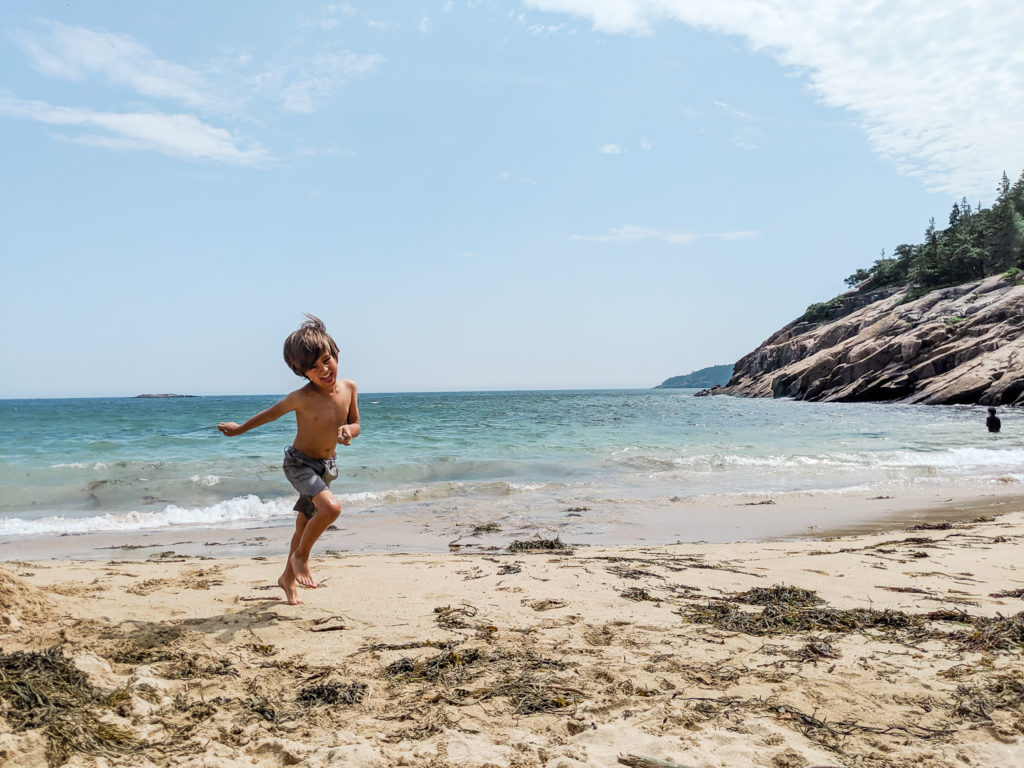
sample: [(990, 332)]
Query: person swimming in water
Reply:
[(992, 422)]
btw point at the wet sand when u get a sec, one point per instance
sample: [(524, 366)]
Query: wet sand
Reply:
[(434, 527)]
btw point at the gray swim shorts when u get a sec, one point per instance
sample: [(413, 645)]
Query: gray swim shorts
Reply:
[(309, 476)]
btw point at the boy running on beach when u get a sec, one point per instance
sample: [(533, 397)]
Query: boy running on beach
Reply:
[(326, 414)]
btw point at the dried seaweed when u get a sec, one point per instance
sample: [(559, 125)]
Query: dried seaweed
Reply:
[(906, 590), (332, 693), (523, 678), (479, 530), (998, 634), (262, 707), (829, 734), (447, 667), (186, 665), (547, 604), (785, 619), (944, 526), (814, 650), (792, 610), (949, 614), (328, 623), (795, 610), (638, 594), (539, 545), (43, 689), (779, 595), (448, 617), (435, 722), (402, 646), (625, 572), (1009, 593), (530, 692), (998, 692)]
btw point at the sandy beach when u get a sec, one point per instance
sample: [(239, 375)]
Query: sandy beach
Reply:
[(900, 648)]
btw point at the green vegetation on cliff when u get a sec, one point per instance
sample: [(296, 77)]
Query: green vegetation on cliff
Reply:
[(716, 375), (977, 243)]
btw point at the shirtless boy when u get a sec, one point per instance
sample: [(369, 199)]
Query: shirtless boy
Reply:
[(326, 414)]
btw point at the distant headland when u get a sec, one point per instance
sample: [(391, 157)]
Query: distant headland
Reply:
[(716, 375), (161, 396)]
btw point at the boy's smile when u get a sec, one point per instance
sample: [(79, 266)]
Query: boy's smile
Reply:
[(325, 373)]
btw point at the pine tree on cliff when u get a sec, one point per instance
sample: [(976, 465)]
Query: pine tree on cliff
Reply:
[(1006, 227), (976, 244), (926, 268), (954, 216)]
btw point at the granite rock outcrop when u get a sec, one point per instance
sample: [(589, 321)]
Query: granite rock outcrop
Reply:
[(957, 345)]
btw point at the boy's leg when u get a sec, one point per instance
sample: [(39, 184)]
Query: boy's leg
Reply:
[(327, 511), (287, 579)]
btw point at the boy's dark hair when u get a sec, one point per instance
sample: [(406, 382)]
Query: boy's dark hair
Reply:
[(305, 346)]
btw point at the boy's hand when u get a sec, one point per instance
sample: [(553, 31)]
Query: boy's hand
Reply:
[(229, 428), (344, 438)]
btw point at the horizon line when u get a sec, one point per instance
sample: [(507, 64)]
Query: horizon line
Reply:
[(184, 396)]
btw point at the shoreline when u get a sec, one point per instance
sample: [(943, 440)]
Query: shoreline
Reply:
[(439, 527), (699, 654)]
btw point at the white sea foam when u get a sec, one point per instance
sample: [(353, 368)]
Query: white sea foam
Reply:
[(954, 457), (961, 458), (237, 510), (206, 481), (526, 487), (414, 493), (81, 465)]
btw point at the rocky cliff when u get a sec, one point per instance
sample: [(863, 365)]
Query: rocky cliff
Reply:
[(955, 345)]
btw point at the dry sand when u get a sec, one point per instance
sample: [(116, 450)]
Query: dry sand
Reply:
[(555, 658)]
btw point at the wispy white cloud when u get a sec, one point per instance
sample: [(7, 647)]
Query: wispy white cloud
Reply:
[(230, 88), (508, 176), (184, 136), (610, 149), (937, 87), (630, 233), (545, 29), (74, 53), (304, 85), (645, 144), (732, 110), (330, 17), (426, 25), (295, 82)]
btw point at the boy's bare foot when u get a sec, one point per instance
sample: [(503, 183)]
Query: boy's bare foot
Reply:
[(290, 591), (300, 566)]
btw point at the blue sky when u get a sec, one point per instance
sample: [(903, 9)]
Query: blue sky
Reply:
[(472, 195)]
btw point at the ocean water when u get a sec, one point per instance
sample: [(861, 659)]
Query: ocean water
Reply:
[(81, 466)]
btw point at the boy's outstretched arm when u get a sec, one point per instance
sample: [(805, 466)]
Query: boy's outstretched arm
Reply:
[(274, 412), (350, 429)]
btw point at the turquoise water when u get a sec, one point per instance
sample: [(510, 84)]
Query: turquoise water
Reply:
[(125, 464)]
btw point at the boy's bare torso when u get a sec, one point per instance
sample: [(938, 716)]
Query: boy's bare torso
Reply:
[(319, 417)]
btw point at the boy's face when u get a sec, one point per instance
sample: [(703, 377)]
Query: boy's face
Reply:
[(325, 373)]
